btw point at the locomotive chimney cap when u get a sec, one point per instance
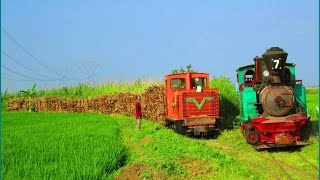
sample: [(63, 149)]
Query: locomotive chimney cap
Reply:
[(275, 51)]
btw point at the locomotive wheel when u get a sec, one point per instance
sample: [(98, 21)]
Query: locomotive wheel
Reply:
[(176, 126), (190, 134), (252, 136), (243, 129), (179, 128), (306, 130), (219, 124), (170, 124)]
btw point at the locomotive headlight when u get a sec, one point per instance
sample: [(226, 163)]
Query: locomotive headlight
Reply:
[(266, 73)]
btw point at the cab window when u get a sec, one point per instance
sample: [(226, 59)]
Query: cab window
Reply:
[(178, 83), (199, 82), (249, 77)]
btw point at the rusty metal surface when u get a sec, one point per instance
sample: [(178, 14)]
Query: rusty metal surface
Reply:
[(277, 100), (199, 121), (198, 130), (197, 104), (267, 146), (283, 139)]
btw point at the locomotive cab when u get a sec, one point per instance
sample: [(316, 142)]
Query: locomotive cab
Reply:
[(192, 107)]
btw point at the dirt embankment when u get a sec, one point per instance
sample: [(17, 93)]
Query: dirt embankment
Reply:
[(153, 104)]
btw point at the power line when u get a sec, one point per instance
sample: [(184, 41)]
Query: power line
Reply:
[(26, 51), (21, 64), (65, 76), (24, 76), (8, 77)]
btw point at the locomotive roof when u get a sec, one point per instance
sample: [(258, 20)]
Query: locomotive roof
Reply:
[(194, 73), (245, 67)]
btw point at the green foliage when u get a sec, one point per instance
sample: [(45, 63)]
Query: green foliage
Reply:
[(30, 93), (5, 95), (147, 175), (60, 146), (175, 71), (182, 70), (229, 101)]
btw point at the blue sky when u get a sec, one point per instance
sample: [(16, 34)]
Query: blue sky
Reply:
[(67, 42)]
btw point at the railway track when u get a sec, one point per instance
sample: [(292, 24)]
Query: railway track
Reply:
[(312, 165), (284, 167), (281, 167)]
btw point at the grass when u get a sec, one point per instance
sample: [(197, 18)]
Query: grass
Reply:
[(168, 155), (60, 146), (312, 105), (91, 146), (312, 90)]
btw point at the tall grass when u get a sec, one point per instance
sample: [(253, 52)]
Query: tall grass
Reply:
[(60, 146), (229, 101), (313, 104), (83, 90)]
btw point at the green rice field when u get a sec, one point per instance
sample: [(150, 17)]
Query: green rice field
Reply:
[(60, 146)]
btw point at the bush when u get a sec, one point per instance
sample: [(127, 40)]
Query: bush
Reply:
[(229, 101)]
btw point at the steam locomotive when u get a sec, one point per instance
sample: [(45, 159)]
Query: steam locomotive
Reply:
[(192, 108), (272, 102)]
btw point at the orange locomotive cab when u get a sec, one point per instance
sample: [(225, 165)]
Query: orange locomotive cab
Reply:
[(192, 107)]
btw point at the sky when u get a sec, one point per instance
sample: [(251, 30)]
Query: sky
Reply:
[(57, 43)]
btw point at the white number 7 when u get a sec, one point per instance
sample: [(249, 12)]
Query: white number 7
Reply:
[(277, 61)]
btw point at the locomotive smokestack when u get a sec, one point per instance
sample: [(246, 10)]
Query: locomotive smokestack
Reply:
[(275, 59)]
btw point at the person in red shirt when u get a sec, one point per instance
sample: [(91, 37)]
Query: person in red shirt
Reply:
[(138, 113)]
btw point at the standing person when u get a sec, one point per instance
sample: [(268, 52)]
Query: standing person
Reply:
[(138, 113)]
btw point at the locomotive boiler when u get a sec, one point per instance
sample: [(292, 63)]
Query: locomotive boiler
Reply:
[(272, 102)]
